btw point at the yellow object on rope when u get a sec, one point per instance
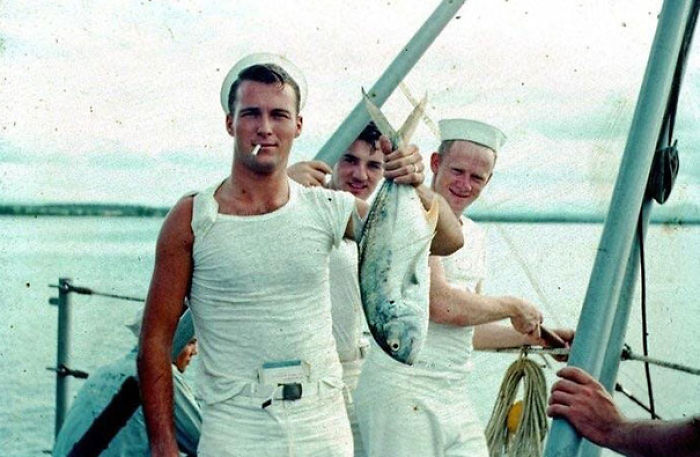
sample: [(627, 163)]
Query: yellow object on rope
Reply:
[(528, 417)]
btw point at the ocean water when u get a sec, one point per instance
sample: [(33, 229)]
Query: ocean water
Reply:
[(549, 264)]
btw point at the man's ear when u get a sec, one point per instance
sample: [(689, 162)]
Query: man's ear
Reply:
[(434, 162), (229, 125), (300, 123)]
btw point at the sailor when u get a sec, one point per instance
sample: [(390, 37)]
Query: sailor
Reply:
[(425, 409), (358, 171), (102, 386), (252, 254)]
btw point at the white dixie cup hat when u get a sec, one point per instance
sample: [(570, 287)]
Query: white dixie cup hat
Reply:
[(262, 58), (471, 130)]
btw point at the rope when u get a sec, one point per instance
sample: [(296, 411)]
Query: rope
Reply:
[(528, 438), (87, 291)]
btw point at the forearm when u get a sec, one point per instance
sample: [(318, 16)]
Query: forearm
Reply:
[(495, 336), (156, 383), (448, 232), (449, 305), (679, 438)]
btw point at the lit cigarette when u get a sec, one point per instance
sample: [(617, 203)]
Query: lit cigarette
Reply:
[(256, 149)]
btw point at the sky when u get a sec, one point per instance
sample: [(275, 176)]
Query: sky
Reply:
[(117, 101)]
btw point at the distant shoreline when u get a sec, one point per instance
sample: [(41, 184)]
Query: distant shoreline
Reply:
[(119, 210), (81, 209)]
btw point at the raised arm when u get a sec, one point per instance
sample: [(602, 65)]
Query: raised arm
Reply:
[(169, 286), (405, 166)]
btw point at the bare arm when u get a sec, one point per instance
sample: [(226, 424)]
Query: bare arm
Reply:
[(405, 166), (309, 174), (458, 306), (448, 232), (585, 403), (164, 304)]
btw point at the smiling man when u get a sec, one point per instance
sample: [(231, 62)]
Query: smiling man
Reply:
[(251, 252), (431, 397)]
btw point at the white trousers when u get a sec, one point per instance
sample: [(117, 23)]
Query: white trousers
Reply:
[(401, 415), (308, 427)]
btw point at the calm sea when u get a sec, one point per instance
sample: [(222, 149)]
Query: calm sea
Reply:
[(549, 264)]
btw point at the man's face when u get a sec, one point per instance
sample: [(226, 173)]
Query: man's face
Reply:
[(185, 356), (263, 114), (460, 174), (359, 170)]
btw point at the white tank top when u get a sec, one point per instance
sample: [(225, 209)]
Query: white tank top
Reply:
[(260, 288), (448, 348)]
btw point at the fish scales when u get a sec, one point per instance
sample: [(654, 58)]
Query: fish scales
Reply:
[(393, 270)]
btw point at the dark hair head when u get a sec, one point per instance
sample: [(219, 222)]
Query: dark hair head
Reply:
[(370, 134), (268, 73)]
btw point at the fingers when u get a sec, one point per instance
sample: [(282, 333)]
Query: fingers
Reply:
[(404, 165), (321, 166), (577, 375)]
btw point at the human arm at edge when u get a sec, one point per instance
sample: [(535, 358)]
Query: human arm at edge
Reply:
[(164, 305), (583, 401)]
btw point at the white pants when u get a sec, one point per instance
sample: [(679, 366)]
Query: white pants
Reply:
[(312, 426), (401, 415), (351, 375)]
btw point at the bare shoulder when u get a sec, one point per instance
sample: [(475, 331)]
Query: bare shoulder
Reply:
[(177, 229)]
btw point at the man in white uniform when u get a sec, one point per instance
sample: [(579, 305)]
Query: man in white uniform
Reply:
[(252, 254), (425, 410), (358, 171)]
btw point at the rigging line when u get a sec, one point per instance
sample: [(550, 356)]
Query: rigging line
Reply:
[(528, 273), (627, 354), (626, 393), (645, 332), (88, 291)]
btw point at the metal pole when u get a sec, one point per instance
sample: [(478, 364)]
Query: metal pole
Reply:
[(351, 127), (602, 297), (63, 356), (611, 360)]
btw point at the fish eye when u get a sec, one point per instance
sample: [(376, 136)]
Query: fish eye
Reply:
[(394, 345)]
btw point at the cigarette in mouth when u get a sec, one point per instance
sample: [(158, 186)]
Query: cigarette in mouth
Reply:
[(256, 149)]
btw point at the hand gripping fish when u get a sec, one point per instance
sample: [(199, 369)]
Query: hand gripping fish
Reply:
[(393, 256)]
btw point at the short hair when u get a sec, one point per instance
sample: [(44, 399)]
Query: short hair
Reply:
[(268, 73), (370, 134), (447, 144)]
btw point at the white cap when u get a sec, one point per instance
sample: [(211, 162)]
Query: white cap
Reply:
[(262, 58), (183, 333), (474, 131)]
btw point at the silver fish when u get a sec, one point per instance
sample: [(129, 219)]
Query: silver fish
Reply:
[(393, 262)]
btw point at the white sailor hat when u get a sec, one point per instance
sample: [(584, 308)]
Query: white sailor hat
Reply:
[(474, 131), (262, 58), (183, 333)]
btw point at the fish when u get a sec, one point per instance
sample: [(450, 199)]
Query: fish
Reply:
[(394, 247)]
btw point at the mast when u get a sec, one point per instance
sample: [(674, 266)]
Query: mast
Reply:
[(351, 127), (604, 315)]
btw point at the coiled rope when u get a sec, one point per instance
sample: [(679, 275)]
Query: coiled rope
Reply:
[(526, 440)]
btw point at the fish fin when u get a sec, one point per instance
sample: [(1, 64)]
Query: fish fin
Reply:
[(411, 123), (431, 216), (380, 120), (428, 121)]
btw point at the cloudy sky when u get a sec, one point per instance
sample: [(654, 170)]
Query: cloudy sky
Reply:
[(117, 101)]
